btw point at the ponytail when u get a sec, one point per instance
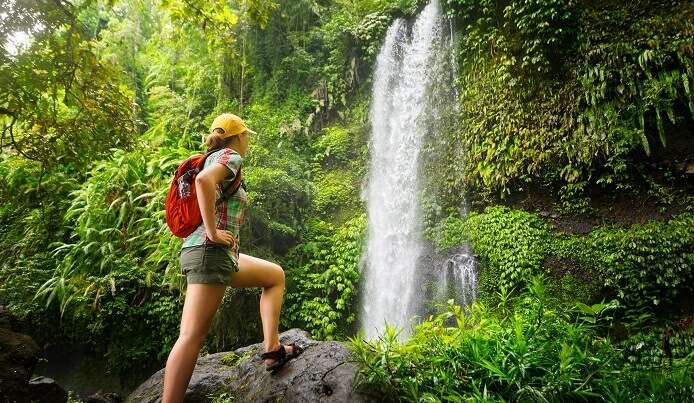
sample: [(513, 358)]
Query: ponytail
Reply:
[(215, 141)]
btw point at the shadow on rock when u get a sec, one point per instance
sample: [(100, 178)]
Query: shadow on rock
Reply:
[(323, 373)]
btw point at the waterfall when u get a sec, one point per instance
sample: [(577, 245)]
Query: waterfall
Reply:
[(457, 279), (412, 65)]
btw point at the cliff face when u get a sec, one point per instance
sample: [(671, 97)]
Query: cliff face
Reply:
[(322, 373)]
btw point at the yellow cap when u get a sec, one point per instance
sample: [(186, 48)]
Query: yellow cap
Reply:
[(231, 124)]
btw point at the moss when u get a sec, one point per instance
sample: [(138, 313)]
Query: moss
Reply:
[(221, 396), (233, 359)]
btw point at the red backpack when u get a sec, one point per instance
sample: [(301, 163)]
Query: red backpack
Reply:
[(182, 210)]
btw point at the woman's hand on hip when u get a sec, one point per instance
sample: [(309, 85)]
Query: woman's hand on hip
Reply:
[(221, 236)]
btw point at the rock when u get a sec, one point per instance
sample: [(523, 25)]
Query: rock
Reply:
[(44, 390), (5, 318), (323, 373), (103, 398), (561, 267), (18, 356)]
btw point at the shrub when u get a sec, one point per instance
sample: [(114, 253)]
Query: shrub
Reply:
[(644, 264), (530, 352), (511, 245), (524, 350), (323, 279)]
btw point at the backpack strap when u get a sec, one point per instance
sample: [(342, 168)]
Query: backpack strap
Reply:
[(231, 188), (201, 163), (234, 186)]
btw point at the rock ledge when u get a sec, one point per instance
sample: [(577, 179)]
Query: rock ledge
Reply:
[(323, 373)]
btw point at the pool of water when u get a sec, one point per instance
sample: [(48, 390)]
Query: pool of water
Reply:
[(81, 371)]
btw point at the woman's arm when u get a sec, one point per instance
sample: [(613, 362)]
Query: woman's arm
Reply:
[(205, 182)]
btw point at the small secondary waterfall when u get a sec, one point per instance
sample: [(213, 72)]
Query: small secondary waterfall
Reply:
[(457, 279), (411, 68)]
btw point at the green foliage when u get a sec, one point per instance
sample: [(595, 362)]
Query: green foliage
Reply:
[(278, 201), (568, 93), (568, 288), (220, 17), (447, 233), (119, 208), (33, 203), (335, 191), (624, 79), (20, 279), (333, 147), (177, 84), (645, 350), (321, 50), (531, 352), (126, 320), (232, 359), (525, 350), (71, 397), (671, 385), (511, 245), (645, 264), (236, 321), (504, 139), (101, 272), (221, 397), (526, 37), (337, 169), (132, 309), (71, 106), (323, 279), (323, 270), (372, 26)]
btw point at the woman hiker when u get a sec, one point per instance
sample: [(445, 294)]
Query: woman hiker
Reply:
[(211, 261)]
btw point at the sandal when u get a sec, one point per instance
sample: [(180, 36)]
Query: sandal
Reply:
[(281, 357)]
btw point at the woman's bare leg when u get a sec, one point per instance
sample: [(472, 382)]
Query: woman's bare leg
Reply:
[(255, 272), (202, 301)]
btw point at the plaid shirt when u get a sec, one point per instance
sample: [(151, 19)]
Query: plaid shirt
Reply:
[(230, 214)]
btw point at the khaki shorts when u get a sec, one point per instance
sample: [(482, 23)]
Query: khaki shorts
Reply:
[(208, 264)]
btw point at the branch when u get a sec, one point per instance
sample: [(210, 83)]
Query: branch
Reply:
[(2, 138), (8, 112), (66, 7), (14, 142)]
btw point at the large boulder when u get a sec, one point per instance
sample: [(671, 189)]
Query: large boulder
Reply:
[(18, 356), (323, 373), (45, 390)]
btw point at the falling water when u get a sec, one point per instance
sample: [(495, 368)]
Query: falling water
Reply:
[(457, 279), (412, 65)]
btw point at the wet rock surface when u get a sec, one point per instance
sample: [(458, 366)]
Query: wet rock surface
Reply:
[(323, 373)]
